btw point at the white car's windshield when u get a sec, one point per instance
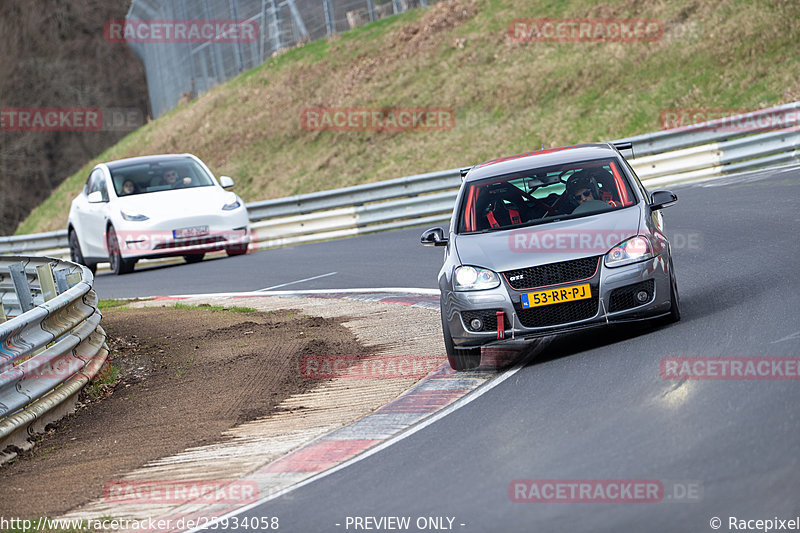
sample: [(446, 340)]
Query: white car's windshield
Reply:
[(544, 194), (140, 178)]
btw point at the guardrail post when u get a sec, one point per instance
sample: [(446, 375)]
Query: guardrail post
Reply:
[(61, 279), (46, 281), (3, 316), (371, 10), (73, 279), (330, 22), (21, 287)]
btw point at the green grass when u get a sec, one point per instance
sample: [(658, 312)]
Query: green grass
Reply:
[(108, 375), (112, 304), (508, 97)]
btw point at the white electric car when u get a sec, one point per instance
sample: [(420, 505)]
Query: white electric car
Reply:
[(155, 206)]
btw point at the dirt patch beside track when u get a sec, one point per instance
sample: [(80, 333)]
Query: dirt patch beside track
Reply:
[(187, 376)]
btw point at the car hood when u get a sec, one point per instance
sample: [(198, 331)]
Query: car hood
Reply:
[(548, 243), (179, 202)]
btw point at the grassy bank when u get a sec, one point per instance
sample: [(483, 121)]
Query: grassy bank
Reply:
[(507, 96)]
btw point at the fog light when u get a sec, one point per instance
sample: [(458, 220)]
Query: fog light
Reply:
[(476, 324), (642, 296)]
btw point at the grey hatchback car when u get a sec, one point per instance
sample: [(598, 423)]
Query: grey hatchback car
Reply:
[(548, 242)]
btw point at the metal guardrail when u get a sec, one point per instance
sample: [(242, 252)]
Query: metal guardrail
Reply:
[(51, 343), (703, 150)]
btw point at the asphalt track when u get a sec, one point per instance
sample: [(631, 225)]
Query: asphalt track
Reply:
[(593, 405)]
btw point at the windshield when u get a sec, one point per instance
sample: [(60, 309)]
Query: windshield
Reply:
[(544, 194), (140, 178)]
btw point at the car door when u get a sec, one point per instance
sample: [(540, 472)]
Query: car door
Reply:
[(93, 217)]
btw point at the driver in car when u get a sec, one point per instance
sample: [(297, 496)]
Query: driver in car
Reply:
[(582, 188), (171, 179)]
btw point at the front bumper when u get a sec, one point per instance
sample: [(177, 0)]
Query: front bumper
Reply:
[(613, 301), (164, 243)]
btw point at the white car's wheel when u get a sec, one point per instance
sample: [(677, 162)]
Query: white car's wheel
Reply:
[(75, 253), (118, 264)]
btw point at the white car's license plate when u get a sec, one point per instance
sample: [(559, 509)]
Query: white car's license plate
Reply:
[(194, 231)]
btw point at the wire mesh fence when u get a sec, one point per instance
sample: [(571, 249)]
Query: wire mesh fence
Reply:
[(182, 68)]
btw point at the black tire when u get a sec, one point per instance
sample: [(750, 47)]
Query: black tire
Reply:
[(76, 255), (459, 358), (119, 265), (674, 299), (233, 251), (193, 258)]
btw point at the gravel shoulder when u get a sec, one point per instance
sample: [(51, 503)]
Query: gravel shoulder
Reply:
[(187, 375), (212, 394)]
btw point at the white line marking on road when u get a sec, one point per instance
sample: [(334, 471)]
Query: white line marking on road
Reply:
[(461, 402), (365, 290), (298, 281), (793, 336)]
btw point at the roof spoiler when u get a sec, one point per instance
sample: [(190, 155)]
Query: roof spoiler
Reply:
[(464, 171), (623, 146)]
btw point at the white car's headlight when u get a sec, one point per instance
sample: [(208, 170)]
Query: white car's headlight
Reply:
[(629, 251), (469, 278), (231, 202), (134, 218)]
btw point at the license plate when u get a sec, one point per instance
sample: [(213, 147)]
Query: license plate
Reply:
[(194, 231), (556, 296)]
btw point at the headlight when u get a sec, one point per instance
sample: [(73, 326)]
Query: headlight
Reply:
[(468, 278), (630, 251), (133, 218), (231, 203)]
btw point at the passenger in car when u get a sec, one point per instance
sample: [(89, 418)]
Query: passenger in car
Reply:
[(129, 187)]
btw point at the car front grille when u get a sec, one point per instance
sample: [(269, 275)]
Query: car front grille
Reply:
[(551, 315), (625, 297), (552, 274), (487, 316)]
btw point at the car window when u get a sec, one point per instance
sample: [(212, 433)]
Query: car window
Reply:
[(637, 181), (541, 195), (154, 177), (97, 182)]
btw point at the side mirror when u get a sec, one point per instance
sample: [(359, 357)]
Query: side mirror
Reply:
[(433, 237), (661, 199), (226, 182), (95, 197)]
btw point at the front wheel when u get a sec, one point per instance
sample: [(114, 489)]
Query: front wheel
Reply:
[(674, 299), (119, 265), (459, 358), (76, 255)]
